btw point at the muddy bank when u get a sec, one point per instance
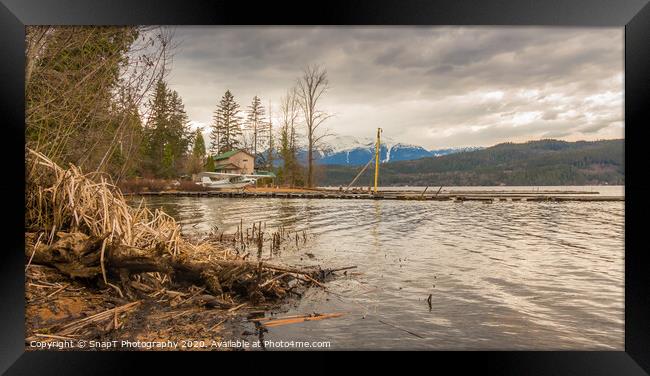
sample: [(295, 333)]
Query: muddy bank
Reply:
[(100, 271), (70, 306), (56, 308)]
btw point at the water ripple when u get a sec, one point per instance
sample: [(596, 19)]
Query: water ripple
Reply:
[(502, 276)]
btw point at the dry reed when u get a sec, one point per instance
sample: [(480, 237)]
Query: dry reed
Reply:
[(60, 199)]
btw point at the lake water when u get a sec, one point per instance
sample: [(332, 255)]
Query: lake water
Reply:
[(507, 275)]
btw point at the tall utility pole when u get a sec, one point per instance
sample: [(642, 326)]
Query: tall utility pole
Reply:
[(377, 152)]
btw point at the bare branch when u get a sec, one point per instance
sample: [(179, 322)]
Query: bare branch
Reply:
[(310, 87)]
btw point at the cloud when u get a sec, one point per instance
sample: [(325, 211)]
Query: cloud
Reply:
[(432, 86)]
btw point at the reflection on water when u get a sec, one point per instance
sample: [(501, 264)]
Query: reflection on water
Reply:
[(506, 275)]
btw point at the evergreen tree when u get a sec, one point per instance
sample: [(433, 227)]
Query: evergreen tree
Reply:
[(166, 135), (285, 154), (215, 136), (209, 164), (254, 123), (167, 163), (180, 135), (198, 150), (155, 132), (226, 132), (198, 153), (271, 146)]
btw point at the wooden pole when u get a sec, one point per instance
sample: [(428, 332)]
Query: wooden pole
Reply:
[(359, 174), (377, 150)]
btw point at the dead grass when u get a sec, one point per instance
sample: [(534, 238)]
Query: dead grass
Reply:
[(69, 200)]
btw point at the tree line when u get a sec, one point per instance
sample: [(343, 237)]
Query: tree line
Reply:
[(97, 97), (254, 132)]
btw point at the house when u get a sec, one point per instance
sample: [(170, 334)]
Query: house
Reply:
[(235, 162)]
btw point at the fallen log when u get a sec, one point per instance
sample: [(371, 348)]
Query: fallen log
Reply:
[(80, 256)]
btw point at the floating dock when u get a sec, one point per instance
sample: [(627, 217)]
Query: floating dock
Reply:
[(483, 196)]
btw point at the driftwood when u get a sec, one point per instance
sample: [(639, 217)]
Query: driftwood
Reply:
[(271, 322), (79, 256)]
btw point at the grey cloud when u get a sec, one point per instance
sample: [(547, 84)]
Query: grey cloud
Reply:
[(594, 128), (418, 83)]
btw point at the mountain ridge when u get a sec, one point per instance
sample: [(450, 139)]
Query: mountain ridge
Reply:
[(353, 151), (350, 150), (540, 162)]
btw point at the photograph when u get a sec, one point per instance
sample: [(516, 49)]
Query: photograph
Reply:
[(318, 188)]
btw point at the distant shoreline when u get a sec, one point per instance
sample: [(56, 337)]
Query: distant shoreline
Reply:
[(451, 194)]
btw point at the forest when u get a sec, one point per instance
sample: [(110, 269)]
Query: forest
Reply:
[(98, 98)]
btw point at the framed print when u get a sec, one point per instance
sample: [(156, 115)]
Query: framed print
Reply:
[(457, 177)]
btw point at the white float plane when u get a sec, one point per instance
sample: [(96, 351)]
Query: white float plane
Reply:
[(223, 180)]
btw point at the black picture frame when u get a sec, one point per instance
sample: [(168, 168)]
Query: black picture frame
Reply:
[(633, 15)]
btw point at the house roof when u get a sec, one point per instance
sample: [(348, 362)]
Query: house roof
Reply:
[(226, 166), (229, 154)]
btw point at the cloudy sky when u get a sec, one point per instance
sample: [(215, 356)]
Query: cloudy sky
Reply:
[(430, 86)]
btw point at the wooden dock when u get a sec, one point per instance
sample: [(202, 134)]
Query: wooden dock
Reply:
[(484, 196)]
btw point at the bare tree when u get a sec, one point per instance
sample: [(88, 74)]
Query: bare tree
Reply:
[(289, 108), (85, 90), (310, 87)]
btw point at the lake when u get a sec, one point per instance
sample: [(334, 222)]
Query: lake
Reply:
[(506, 275)]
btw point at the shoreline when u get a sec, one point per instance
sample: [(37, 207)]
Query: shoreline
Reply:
[(146, 320), (484, 196), (99, 269), (64, 312)]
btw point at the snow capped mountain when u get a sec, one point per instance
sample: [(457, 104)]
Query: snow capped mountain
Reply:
[(405, 152), (349, 150), (353, 151), (342, 143)]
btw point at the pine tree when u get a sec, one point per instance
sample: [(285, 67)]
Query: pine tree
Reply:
[(166, 134), (226, 132), (198, 152), (209, 164), (269, 160), (156, 129), (167, 165), (180, 135), (254, 123), (285, 153), (215, 136)]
